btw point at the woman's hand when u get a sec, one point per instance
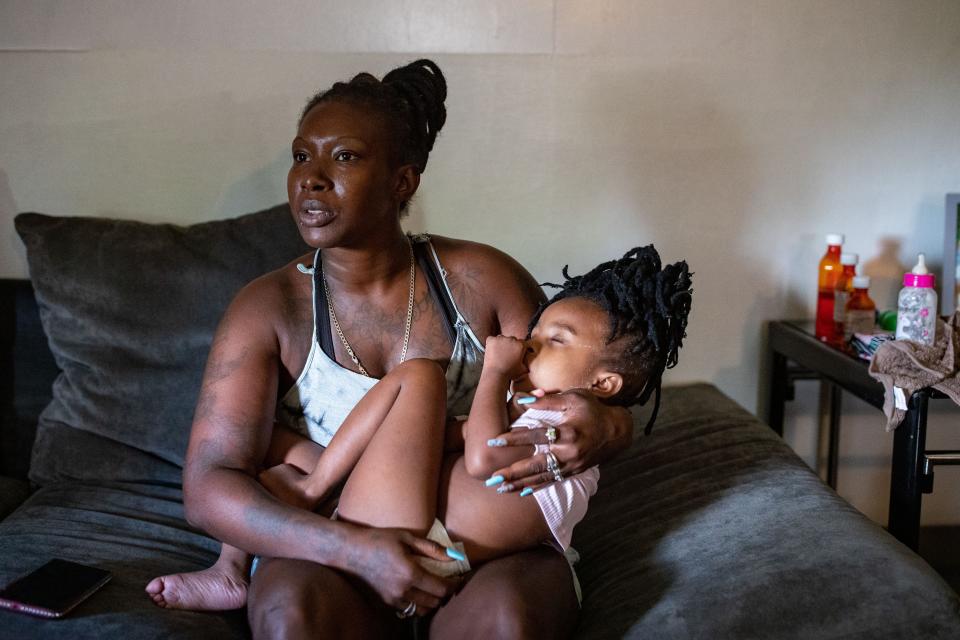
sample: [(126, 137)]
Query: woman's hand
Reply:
[(503, 355), (589, 433), (386, 560)]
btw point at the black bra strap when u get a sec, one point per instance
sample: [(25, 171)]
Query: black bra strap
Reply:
[(321, 311), (437, 289)]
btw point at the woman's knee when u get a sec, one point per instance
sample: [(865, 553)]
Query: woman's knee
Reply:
[(525, 595), (291, 599)]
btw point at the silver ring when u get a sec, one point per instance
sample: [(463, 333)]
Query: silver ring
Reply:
[(408, 611), (551, 435), (553, 467)]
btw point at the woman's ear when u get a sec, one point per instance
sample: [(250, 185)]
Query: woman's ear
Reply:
[(408, 180), (607, 384)]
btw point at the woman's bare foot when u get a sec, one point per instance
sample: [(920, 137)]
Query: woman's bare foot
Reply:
[(219, 588)]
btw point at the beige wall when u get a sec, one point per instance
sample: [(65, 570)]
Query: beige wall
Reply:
[(732, 133)]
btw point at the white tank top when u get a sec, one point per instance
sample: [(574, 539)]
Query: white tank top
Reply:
[(319, 401)]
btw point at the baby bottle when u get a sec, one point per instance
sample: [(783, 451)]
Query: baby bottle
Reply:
[(917, 305)]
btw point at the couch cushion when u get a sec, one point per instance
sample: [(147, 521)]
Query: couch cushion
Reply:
[(136, 532), (713, 528), (129, 309)]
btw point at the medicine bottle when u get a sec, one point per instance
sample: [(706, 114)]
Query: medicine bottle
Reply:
[(841, 293), (917, 305), (860, 311), (826, 282)]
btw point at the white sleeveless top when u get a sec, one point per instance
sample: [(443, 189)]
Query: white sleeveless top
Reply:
[(319, 401)]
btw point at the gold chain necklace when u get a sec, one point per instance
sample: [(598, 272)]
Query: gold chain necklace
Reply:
[(406, 330)]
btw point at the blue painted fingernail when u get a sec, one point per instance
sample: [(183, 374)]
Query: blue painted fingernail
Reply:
[(527, 491), (456, 555), (527, 400), (496, 442), (493, 481), (505, 488)]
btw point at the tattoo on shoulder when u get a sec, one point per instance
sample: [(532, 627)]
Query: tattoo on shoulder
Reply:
[(466, 287)]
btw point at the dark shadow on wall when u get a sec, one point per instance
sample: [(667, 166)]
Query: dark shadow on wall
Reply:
[(886, 272)]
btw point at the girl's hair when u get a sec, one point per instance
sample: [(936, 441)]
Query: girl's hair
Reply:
[(648, 308), (411, 101)]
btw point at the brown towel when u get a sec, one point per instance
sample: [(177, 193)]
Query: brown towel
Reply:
[(911, 366)]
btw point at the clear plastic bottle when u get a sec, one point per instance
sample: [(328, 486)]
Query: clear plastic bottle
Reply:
[(861, 312), (917, 305), (826, 282), (841, 293)]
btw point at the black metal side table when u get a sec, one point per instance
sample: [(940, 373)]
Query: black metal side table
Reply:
[(796, 355)]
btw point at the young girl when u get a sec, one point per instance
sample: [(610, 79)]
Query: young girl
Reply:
[(612, 332)]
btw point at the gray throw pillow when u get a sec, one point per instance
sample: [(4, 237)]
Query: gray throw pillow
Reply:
[(129, 309)]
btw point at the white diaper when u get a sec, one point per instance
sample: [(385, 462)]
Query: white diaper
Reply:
[(444, 569)]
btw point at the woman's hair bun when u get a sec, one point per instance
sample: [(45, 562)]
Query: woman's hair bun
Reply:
[(410, 97), (422, 86)]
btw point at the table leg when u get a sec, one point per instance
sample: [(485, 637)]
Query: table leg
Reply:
[(909, 443), (778, 392), (833, 452)]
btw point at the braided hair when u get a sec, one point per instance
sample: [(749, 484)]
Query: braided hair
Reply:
[(647, 307), (411, 101)]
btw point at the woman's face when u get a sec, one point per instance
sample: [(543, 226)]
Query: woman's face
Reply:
[(343, 186)]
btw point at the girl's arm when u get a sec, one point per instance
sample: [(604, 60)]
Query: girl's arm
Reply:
[(489, 413)]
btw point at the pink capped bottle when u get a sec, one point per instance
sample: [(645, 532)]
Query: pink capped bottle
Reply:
[(917, 305), (826, 283)]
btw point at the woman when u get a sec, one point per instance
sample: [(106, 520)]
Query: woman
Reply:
[(357, 158)]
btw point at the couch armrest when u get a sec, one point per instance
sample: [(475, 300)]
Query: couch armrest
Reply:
[(13, 492)]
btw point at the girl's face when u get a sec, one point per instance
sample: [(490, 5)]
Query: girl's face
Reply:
[(343, 186), (565, 347)]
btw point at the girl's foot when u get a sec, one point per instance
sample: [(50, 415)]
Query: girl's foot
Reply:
[(212, 589)]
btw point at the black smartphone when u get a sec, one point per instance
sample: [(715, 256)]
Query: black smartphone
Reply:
[(54, 589)]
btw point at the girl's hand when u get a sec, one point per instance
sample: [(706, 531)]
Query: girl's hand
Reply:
[(589, 433), (504, 355)]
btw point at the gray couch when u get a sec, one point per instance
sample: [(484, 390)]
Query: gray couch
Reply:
[(709, 528)]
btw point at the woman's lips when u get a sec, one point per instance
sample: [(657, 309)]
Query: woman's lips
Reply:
[(315, 214)]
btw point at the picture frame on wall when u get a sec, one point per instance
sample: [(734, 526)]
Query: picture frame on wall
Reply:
[(950, 296)]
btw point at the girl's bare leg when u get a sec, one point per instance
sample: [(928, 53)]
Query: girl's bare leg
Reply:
[(390, 446), (224, 585), (394, 481)]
